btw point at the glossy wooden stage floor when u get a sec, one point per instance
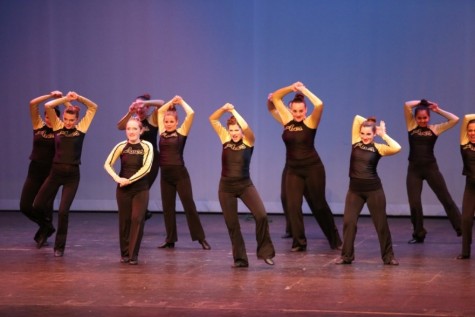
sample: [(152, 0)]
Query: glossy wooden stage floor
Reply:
[(189, 281)]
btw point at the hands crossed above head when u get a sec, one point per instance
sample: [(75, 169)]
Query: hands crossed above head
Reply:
[(72, 96), (228, 107), (177, 100), (56, 94)]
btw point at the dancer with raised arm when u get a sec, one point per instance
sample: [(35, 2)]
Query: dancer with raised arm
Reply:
[(41, 159), (423, 164), (174, 177), (304, 170), (365, 187), (238, 144)]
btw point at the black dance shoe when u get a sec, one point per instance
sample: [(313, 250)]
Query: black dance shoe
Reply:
[(41, 241), (50, 231), (416, 240), (205, 245), (148, 215), (167, 245), (42, 236), (269, 261), (342, 261), (37, 235), (300, 248), (239, 264), (463, 257)]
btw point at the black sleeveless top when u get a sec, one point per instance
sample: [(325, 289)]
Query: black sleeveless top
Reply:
[(43, 145), (299, 142), (421, 146), (363, 167), (68, 147), (235, 160), (171, 145), (468, 158)]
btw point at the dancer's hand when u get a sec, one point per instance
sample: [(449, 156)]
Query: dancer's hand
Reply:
[(72, 96), (381, 129), (227, 107), (56, 94)]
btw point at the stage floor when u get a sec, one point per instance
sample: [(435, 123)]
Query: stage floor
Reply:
[(189, 281)]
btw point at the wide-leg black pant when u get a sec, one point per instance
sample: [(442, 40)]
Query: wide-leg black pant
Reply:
[(173, 180), (229, 205), (416, 174), (468, 210), (37, 174), (309, 181), (67, 176), (376, 202), (132, 204)]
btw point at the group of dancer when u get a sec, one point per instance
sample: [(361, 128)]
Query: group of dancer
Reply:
[(157, 140)]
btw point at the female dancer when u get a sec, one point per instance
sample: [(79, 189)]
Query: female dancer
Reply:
[(275, 114), (41, 159), (318, 217), (69, 138), (238, 145), (423, 165), (150, 130), (174, 176), (304, 171), (365, 187), (132, 191), (467, 147)]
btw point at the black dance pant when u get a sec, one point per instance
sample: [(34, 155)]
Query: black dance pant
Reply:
[(152, 175), (67, 176), (376, 202), (283, 199), (416, 174), (37, 174), (468, 210), (309, 181), (132, 205), (173, 180), (229, 205)]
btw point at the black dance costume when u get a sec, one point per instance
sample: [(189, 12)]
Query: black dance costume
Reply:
[(319, 217), (236, 183), (41, 159), (150, 134), (174, 179), (132, 200), (365, 187), (468, 203), (423, 166), (65, 170), (305, 173)]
